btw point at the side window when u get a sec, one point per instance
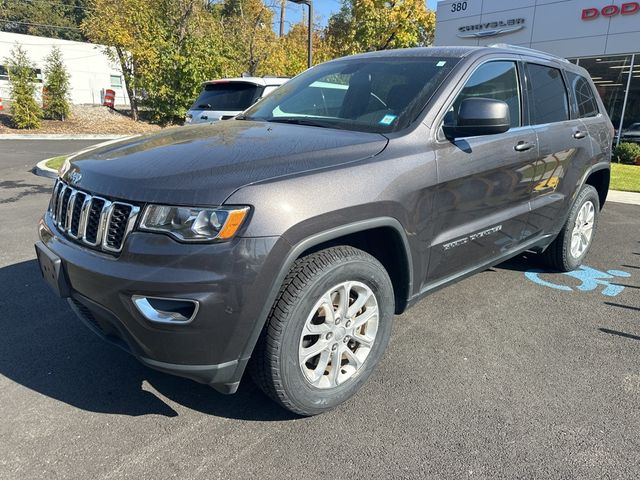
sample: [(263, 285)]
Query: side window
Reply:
[(549, 102), (583, 93), (497, 80)]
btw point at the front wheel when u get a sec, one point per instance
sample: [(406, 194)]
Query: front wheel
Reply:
[(326, 332), (572, 244)]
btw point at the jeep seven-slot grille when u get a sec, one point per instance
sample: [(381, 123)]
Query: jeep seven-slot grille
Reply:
[(94, 221)]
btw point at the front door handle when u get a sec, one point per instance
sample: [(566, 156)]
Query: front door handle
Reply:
[(524, 146), (579, 134)]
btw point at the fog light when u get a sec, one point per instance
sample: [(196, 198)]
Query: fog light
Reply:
[(174, 311)]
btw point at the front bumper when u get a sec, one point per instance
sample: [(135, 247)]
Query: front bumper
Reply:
[(230, 281)]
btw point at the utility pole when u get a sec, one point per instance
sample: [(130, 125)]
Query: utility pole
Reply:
[(308, 3), (283, 8)]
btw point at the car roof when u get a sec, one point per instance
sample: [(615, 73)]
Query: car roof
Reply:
[(529, 54), (458, 51), (262, 81)]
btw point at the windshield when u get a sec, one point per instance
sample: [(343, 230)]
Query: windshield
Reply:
[(229, 96), (368, 94)]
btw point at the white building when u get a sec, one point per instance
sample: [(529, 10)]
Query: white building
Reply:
[(602, 36), (91, 72)]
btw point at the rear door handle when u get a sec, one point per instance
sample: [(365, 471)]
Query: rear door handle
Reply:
[(579, 134), (524, 146)]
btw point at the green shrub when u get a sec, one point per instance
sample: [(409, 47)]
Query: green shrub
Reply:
[(627, 153), (55, 94), (25, 110)]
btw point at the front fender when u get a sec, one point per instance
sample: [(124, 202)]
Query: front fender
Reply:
[(286, 253)]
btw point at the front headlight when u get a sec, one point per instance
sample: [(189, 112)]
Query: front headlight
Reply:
[(194, 224)]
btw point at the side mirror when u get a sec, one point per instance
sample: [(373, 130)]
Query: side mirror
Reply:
[(480, 116)]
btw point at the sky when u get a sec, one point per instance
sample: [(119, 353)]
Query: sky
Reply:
[(324, 9)]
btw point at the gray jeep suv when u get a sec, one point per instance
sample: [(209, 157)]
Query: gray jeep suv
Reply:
[(285, 240)]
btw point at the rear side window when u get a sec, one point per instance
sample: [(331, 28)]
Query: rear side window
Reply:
[(549, 102), (583, 93), (231, 96), (495, 80)]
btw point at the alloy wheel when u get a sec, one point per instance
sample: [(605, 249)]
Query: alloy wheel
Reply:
[(338, 335), (583, 229)]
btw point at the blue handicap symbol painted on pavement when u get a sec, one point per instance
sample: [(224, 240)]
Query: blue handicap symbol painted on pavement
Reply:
[(590, 277)]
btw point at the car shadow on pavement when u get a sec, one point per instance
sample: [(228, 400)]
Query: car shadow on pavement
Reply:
[(44, 347), (20, 189), (523, 263)]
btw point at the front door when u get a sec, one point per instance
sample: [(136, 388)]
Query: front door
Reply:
[(484, 182)]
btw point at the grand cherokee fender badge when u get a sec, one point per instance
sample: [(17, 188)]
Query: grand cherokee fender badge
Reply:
[(471, 238)]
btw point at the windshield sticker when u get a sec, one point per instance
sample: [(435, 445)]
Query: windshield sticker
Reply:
[(441, 63), (388, 119)]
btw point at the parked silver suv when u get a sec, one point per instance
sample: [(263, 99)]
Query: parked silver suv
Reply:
[(225, 98)]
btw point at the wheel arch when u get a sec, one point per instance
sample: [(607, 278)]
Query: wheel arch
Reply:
[(599, 179), (350, 234), (381, 240)]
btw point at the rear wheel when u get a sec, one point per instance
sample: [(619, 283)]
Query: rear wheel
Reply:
[(572, 244), (326, 332)]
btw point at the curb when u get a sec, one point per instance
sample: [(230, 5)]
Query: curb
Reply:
[(617, 196), (59, 136), (42, 170)]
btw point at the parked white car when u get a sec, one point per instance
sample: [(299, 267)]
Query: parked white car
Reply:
[(225, 98)]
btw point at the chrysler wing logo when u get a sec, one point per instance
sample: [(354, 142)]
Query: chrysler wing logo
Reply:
[(75, 177), (491, 29)]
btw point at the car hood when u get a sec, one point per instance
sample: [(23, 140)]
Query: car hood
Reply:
[(205, 164)]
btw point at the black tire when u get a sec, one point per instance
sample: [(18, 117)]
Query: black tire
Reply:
[(275, 364), (558, 255)]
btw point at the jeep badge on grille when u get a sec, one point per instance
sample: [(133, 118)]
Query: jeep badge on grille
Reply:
[(75, 177)]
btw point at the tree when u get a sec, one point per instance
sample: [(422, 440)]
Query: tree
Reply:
[(55, 93), (370, 25), (128, 28), (57, 19), (188, 54), (25, 110), (165, 48), (248, 26), (289, 58)]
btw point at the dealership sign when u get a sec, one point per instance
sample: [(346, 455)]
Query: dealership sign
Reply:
[(628, 8), (491, 29)]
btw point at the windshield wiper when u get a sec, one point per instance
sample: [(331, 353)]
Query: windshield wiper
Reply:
[(300, 121), (205, 105)]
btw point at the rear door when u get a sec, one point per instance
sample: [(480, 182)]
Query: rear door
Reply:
[(564, 145), (586, 107), (484, 182)]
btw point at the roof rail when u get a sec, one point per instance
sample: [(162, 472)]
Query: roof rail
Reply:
[(527, 50)]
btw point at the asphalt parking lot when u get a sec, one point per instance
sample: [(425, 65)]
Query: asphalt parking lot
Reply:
[(513, 373)]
